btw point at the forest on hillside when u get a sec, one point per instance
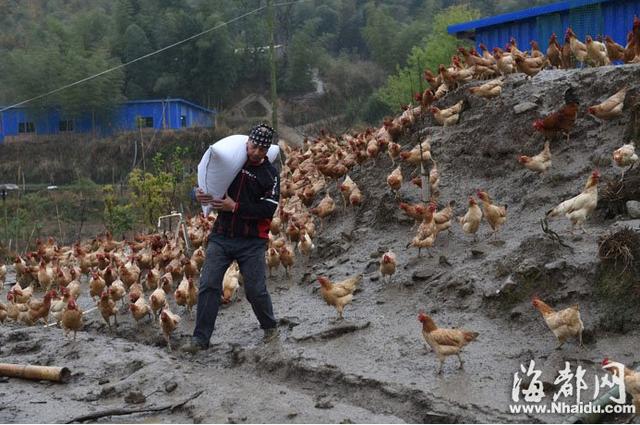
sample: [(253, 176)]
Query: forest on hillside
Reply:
[(358, 48)]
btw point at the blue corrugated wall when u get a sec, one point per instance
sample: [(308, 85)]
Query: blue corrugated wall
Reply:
[(165, 113), (612, 18)]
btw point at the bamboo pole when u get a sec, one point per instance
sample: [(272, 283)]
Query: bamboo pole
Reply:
[(48, 373)]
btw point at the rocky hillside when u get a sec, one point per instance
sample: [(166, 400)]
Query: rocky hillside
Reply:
[(372, 367)]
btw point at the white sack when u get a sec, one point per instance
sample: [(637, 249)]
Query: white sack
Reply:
[(221, 163)]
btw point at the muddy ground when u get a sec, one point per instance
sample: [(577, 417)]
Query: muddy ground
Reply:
[(373, 366)]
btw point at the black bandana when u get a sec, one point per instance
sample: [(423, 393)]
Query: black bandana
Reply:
[(262, 135)]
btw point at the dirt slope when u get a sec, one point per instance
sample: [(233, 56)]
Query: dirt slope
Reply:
[(372, 367)]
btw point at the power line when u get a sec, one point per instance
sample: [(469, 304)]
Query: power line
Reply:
[(145, 56)]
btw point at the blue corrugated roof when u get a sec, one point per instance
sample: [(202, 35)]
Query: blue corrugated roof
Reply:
[(173, 100), (149, 101), (520, 14)]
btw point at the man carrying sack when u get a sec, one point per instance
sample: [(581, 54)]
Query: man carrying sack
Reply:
[(241, 233)]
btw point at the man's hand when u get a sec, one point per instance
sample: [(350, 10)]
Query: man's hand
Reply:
[(224, 204), (203, 198)]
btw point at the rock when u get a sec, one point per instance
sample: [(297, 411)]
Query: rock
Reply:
[(292, 415), (475, 253), (508, 286), (374, 278), (372, 267), (556, 265), (135, 397), (103, 381), (443, 261), (4, 379), (170, 386), (420, 275), (633, 208), (323, 403), (524, 107)]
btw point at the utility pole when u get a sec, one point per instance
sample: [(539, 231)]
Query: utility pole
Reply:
[(272, 54)]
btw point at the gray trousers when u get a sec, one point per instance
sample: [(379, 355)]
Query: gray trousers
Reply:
[(250, 255)]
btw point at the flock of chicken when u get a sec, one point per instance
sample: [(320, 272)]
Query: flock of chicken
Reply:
[(125, 270)]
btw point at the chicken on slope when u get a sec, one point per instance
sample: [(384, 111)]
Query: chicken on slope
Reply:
[(339, 294), (610, 108), (72, 319), (168, 323), (578, 208), (539, 163), (445, 342), (631, 380), (471, 220), (388, 265), (494, 214), (564, 324)]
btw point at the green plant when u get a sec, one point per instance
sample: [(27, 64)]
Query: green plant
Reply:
[(117, 218), (151, 194)]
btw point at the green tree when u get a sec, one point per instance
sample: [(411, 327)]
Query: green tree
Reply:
[(137, 82), (305, 52), (439, 48), (379, 34)]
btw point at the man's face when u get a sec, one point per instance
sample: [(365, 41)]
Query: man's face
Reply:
[(256, 153)]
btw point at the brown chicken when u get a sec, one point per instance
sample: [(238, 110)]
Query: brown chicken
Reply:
[(449, 116), (96, 285), (578, 49), (625, 155), (427, 231), (564, 324), (488, 90), (72, 319), (578, 208), (168, 323), (529, 66), (17, 311), (443, 217), (39, 310), (157, 301), (631, 381), (22, 295), (140, 309), (596, 52), (287, 256), (494, 214), (355, 198), (273, 259), (387, 265), (339, 294), (614, 50), (324, 209), (414, 157), (561, 121), (445, 342), (539, 163), (554, 54), (394, 180), (415, 211), (187, 295), (610, 108), (230, 283), (471, 220), (108, 308), (117, 291)]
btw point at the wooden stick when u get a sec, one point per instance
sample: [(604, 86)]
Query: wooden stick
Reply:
[(123, 411), (49, 373)]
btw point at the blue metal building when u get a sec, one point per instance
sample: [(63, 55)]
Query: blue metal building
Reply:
[(586, 17), (24, 123)]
